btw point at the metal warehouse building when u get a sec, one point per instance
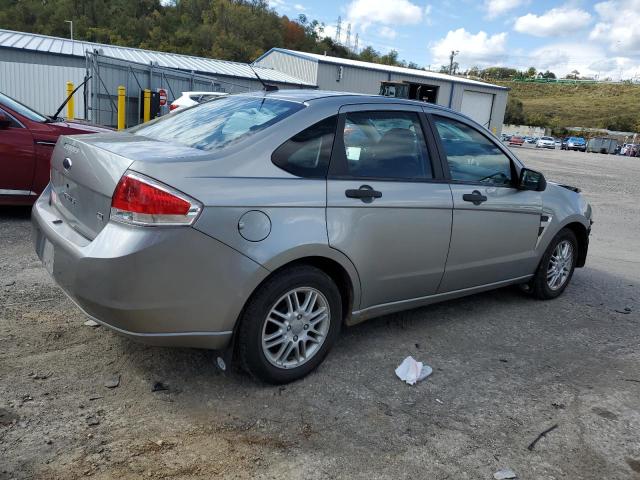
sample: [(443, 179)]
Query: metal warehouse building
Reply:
[(34, 69), (483, 102)]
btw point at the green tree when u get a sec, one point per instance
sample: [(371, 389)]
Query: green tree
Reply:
[(514, 114)]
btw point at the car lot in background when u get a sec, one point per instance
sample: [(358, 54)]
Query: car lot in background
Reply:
[(516, 140), (546, 142), (27, 139), (505, 368), (189, 99)]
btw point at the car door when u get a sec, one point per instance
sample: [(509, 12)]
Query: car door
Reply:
[(17, 158), (495, 225), (388, 207)]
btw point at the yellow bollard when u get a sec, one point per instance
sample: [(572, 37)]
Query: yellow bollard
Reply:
[(147, 105), (70, 106), (121, 107)]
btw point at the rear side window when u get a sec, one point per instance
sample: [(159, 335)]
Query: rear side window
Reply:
[(218, 123), (307, 154), (387, 145)]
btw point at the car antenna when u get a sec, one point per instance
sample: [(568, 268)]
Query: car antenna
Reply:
[(267, 86), (55, 115)]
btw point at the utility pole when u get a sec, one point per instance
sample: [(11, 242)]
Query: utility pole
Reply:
[(70, 22), (338, 29), (451, 57), (348, 45)]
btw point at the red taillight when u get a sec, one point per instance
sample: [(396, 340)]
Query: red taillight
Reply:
[(143, 201)]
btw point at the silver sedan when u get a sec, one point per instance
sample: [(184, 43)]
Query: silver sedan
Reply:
[(265, 222)]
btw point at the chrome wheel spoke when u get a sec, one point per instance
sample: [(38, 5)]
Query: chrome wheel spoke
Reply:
[(560, 264)]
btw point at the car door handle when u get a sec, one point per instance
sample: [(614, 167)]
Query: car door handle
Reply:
[(474, 197), (366, 193)]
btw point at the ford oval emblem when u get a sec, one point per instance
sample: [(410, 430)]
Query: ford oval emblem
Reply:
[(66, 163)]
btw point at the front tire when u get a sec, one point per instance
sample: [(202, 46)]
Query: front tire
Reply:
[(289, 325), (556, 267)]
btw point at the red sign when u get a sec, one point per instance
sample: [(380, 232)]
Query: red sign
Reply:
[(163, 96)]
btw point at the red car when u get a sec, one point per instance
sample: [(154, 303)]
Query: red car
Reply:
[(516, 140), (27, 139)]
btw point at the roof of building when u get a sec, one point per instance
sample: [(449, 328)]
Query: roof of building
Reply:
[(385, 68), (77, 48)]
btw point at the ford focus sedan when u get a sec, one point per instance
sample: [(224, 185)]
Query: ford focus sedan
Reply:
[(264, 223)]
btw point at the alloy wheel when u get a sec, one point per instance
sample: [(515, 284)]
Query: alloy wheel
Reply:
[(560, 264), (296, 327)]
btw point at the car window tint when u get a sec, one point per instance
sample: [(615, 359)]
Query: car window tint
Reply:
[(14, 124), (307, 153), (219, 122), (385, 145), (472, 156)]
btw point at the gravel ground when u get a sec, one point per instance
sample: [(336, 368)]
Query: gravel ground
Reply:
[(506, 368)]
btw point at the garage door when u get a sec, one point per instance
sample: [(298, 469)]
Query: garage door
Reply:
[(477, 106)]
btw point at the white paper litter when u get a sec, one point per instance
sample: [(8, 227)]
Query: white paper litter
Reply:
[(91, 323), (504, 474), (411, 371)]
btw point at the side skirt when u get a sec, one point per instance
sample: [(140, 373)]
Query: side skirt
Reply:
[(359, 316)]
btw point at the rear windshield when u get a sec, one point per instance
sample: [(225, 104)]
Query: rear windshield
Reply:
[(219, 122)]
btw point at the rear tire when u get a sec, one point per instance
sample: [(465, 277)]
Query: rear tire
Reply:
[(556, 267), (279, 340)]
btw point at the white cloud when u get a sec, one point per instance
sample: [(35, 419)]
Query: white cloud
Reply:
[(587, 58), (298, 7), (387, 32), (480, 49), (555, 22), (367, 12), (495, 8), (618, 25)]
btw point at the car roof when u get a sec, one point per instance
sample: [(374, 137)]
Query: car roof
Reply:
[(303, 95)]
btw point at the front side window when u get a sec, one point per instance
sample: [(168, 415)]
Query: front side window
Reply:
[(307, 154), (472, 157), (387, 145), (219, 122)]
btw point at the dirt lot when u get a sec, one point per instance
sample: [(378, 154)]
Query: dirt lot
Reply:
[(506, 368)]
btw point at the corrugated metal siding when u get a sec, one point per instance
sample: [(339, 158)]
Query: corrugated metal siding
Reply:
[(62, 46), (360, 80), (31, 79), (298, 67)]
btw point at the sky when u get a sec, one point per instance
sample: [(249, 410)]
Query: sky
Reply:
[(599, 39)]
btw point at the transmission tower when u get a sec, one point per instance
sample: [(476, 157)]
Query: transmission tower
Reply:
[(338, 29), (348, 36), (355, 46)]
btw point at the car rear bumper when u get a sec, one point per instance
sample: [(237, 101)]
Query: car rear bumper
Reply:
[(163, 286)]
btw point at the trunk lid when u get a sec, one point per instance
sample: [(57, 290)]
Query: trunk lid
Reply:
[(85, 170), (83, 177)]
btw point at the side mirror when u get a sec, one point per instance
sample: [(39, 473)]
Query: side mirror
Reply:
[(531, 180), (5, 122)]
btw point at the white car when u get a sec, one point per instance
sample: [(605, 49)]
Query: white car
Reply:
[(189, 99), (546, 142)]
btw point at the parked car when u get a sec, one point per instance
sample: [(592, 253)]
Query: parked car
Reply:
[(531, 140), (546, 142), (189, 99), (558, 143), (516, 140), (271, 228), (27, 139), (574, 143)]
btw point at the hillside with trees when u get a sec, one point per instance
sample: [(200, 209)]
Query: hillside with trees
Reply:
[(238, 30)]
